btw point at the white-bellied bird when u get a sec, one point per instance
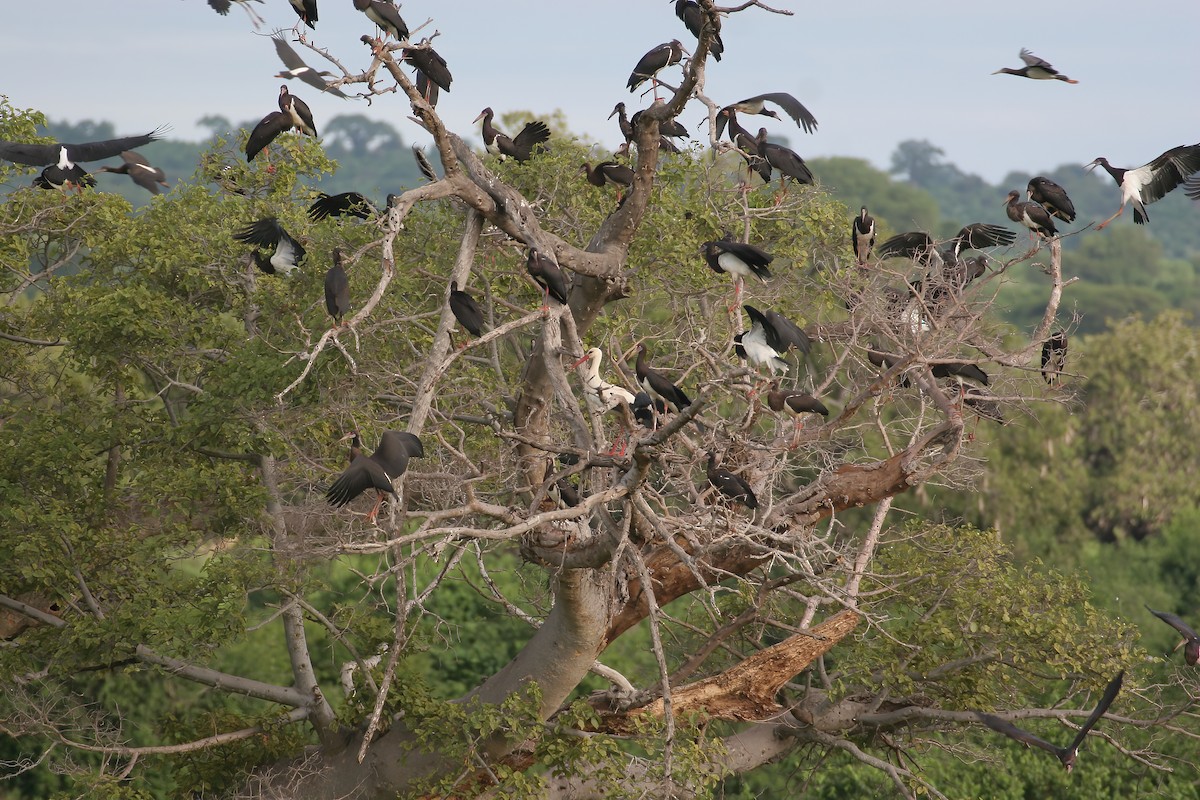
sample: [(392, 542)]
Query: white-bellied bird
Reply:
[(287, 253), (521, 148), (296, 68), (1036, 68), (140, 171), (1150, 182)]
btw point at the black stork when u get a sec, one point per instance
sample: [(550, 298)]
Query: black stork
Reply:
[(1031, 215), (431, 67), (378, 470), (337, 289), (296, 68), (1054, 357), (298, 111), (1191, 641), (650, 64), (355, 446), (140, 171), (62, 160), (563, 493), (307, 11), (862, 236), (623, 122), (425, 87), (797, 404), (647, 410), (757, 105), (784, 159), (627, 129), (668, 128), (266, 131), (287, 252), (655, 384), (1066, 755), (739, 259), (983, 403), (921, 247), (466, 311), (732, 486), (695, 20), (961, 370), (748, 145), (293, 113), (345, 204), (1052, 197), (385, 15), (521, 148), (1035, 68), (548, 275), (1150, 182), (56, 177), (619, 175)]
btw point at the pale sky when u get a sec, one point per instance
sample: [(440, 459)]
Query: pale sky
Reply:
[(873, 73)]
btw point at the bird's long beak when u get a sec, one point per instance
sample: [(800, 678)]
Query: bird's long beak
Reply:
[(580, 361), (348, 436), (481, 116), (1090, 167)]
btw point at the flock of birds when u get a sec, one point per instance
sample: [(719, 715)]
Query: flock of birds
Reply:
[(771, 335)]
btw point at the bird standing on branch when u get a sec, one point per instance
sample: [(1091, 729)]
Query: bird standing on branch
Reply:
[(732, 486), (378, 470), (862, 236), (337, 289), (654, 61), (521, 148), (1052, 197), (1031, 215)]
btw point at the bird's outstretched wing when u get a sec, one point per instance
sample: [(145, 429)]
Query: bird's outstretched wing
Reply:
[(40, 155), (265, 132), (913, 244), (266, 232), (1175, 621), (1191, 187), (979, 235), (534, 133), (362, 474), (1033, 61), (1017, 734), (793, 108), (1110, 694), (1167, 171), (344, 204)]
